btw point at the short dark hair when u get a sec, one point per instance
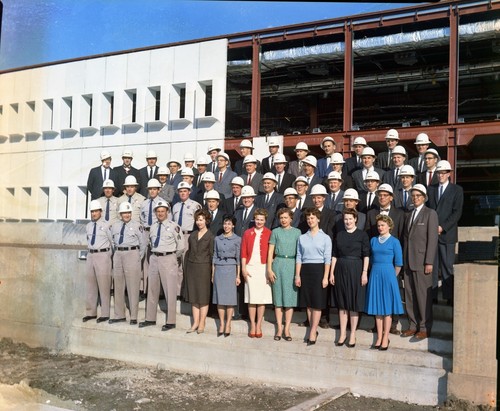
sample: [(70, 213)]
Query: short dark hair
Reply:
[(312, 211), (351, 211), (284, 210), (203, 213), (229, 217)]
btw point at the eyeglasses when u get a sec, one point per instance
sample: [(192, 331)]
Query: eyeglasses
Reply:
[(416, 195), (430, 158)]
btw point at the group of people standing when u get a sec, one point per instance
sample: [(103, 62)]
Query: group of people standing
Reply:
[(310, 233)]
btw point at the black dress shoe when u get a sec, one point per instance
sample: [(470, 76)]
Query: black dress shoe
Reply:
[(142, 296), (89, 317), (340, 344), (146, 323), (350, 345), (167, 327), (385, 348), (375, 347), (117, 320), (102, 319), (133, 322)]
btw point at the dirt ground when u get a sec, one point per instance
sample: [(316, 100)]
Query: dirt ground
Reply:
[(36, 375)]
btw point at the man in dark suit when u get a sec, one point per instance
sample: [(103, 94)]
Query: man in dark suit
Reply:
[(212, 199), (402, 196), (384, 159), (368, 158), (232, 203), (328, 145), (213, 150), (420, 248), (175, 176), (224, 175), (422, 143), (391, 176), (385, 207), (309, 165), (268, 162), (429, 176), (201, 166), (246, 149), (244, 215), (148, 172), (354, 162), (189, 163), (295, 166), (302, 187), (208, 184), (251, 177), (335, 194), (269, 199), (97, 175), (125, 170), (448, 200), (290, 198), (369, 199), (284, 180)]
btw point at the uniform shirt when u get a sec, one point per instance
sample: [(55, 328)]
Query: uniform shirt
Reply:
[(171, 239), (102, 235), (132, 236), (136, 202), (113, 208), (314, 249), (190, 207), (144, 217)]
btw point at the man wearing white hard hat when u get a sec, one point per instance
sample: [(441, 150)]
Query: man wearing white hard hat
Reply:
[(246, 148), (269, 199), (208, 184), (187, 177), (284, 180), (335, 193), (328, 145), (384, 159), (419, 253), (448, 200), (189, 163), (358, 177), (422, 143), (273, 145), (354, 162), (175, 176), (201, 165), (224, 174), (402, 196), (244, 215), (302, 186), (231, 204), (212, 151), (131, 196), (309, 165), (337, 163), (98, 265), (391, 176), (290, 198), (167, 191), (125, 170), (429, 176), (251, 176), (213, 203), (295, 166), (97, 175), (368, 199), (109, 202), (130, 245), (148, 172)]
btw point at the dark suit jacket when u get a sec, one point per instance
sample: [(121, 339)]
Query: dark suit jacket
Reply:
[(256, 182), (362, 202), (314, 180), (229, 205), (94, 181), (422, 178), (327, 222), (399, 201), (266, 168), (286, 182), (144, 179), (414, 163), (359, 182), (388, 178), (217, 222), (398, 217), (351, 165), (449, 210), (199, 197), (275, 201), (243, 225), (338, 205), (382, 161), (306, 203), (121, 175), (421, 239), (177, 180), (224, 186), (239, 169)]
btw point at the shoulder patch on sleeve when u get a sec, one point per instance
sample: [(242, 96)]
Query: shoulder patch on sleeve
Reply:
[(177, 229)]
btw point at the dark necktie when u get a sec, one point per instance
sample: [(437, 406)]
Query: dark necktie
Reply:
[(266, 203), (245, 214), (150, 173), (405, 197), (94, 231), (150, 215), (413, 217), (106, 216), (129, 199), (249, 181), (389, 159), (235, 203), (220, 177), (157, 239), (420, 163), (430, 178), (122, 231), (440, 192), (369, 200), (105, 174), (300, 204), (180, 215), (396, 174), (279, 182), (333, 198)]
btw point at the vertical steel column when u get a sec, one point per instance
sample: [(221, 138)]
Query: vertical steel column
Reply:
[(256, 78), (453, 86), (313, 113), (348, 76)]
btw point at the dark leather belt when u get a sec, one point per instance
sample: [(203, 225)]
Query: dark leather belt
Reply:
[(147, 228), (136, 247), (187, 232), (163, 254), (102, 250)]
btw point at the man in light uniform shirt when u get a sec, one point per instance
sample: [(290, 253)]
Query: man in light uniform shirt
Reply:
[(133, 197), (109, 202)]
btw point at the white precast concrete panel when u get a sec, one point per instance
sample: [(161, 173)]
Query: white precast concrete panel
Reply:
[(116, 72), (75, 78), (161, 69), (137, 69), (95, 80)]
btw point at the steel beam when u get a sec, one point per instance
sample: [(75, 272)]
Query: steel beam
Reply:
[(348, 76), (256, 78)]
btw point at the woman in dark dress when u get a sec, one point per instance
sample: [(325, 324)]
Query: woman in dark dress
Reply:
[(198, 270), (349, 274)]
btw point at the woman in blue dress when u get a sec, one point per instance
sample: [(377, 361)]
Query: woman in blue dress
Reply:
[(382, 297)]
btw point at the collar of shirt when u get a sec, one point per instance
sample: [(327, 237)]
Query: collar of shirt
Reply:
[(444, 185)]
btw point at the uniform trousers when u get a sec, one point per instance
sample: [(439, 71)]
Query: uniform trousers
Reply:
[(127, 274), (180, 273), (98, 273), (445, 257), (162, 273), (145, 261), (418, 297)]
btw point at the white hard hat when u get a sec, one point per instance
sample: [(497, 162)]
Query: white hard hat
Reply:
[(125, 207), (154, 183), (328, 138), (130, 181), (208, 176), (310, 160), (95, 205), (182, 185), (351, 194), (421, 188), (368, 151), (249, 159), (246, 143), (290, 192), (359, 141), (392, 134), (203, 160), (163, 171), (318, 190), (186, 171), (300, 179), (269, 176), (422, 138), (213, 147), (443, 165), (108, 183), (105, 154), (212, 195), (127, 153), (407, 170), (162, 204), (151, 154), (247, 191), (372, 175), (238, 181), (188, 157), (334, 175), (399, 150), (173, 160), (433, 151), (337, 158), (386, 188), (279, 158), (301, 146), (223, 155), (272, 142)]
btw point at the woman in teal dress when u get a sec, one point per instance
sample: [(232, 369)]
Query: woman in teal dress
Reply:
[(281, 271)]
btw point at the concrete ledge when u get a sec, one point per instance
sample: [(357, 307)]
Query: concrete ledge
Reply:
[(479, 390)]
